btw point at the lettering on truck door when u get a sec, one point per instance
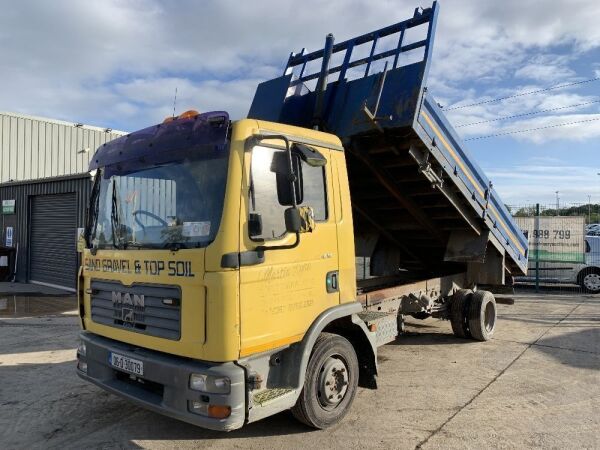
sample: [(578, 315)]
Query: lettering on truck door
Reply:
[(281, 297)]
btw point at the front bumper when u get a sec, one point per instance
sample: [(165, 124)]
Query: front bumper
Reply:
[(166, 388)]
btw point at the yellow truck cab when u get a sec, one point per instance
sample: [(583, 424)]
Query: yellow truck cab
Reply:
[(202, 301), (219, 281)]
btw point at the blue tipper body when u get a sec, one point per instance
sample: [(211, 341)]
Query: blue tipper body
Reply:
[(363, 105)]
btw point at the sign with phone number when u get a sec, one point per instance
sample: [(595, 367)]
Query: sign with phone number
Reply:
[(555, 239)]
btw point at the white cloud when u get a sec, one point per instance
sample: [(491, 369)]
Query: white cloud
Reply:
[(155, 96), (87, 60), (117, 64), (527, 184), (558, 106), (576, 128), (546, 72)]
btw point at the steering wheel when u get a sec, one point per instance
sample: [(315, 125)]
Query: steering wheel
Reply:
[(149, 214)]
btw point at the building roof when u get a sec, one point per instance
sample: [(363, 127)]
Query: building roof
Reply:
[(62, 122)]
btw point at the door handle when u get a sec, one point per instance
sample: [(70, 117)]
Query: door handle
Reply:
[(332, 281)]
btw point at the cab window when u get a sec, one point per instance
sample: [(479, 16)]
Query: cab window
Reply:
[(263, 197)]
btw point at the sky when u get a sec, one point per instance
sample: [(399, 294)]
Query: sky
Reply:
[(117, 63)]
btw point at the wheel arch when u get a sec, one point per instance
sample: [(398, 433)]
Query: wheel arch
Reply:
[(344, 321), (585, 270), (355, 330), (286, 367)]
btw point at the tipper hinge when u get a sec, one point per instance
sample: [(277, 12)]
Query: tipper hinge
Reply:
[(422, 159), (486, 195)]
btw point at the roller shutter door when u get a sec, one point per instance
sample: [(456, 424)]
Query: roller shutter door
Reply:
[(52, 244)]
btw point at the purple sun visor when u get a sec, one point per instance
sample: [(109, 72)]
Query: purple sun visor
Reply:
[(166, 142)]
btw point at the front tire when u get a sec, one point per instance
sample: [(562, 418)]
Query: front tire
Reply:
[(330, 383), (589, 280)]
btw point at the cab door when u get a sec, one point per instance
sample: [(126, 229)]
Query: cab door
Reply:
[(282, 295)]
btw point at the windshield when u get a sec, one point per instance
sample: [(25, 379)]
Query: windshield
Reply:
[(172, 205)]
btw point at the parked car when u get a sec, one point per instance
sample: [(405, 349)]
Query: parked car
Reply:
[(592, 229)]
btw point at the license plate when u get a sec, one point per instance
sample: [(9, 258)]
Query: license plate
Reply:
[(126, 364)]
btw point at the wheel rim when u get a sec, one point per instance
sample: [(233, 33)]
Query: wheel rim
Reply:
[(489, 317), (592, 281), (333, 382)]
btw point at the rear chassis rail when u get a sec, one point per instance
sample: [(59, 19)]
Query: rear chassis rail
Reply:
[(430, 296)]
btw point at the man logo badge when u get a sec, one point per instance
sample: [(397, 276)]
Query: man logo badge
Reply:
[(127, 315), (129, 308)]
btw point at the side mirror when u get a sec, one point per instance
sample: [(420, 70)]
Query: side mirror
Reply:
[(299, 220), (309, 155), (255, 227), (287, 183), (293, 222)]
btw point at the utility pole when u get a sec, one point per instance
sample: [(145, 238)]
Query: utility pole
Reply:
[(598, 211), (589, 209), (557, 203)]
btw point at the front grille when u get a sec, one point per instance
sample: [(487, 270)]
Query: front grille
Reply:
[(146, 309)]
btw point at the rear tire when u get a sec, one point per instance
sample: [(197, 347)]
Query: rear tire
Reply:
[(589, 280), (482, 315), (330, 383), (459, 313)]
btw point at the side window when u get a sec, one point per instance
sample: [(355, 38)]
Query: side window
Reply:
[(263, 192), (314, 190)]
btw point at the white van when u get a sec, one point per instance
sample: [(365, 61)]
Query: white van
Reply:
[(586, 275)]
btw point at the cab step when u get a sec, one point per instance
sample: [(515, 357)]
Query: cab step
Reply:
[(263, 397)]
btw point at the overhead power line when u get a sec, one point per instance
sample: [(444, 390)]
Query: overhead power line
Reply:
[(537, 91), (532, 129), (527, 114)]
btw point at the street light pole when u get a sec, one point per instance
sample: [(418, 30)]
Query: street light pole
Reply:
[(589, 209), (557, 203), (598, 212)]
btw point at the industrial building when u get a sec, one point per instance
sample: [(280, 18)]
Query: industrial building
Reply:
[(44, 188)]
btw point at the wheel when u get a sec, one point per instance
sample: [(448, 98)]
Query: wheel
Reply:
[(589, 280), (330, 383), (482, 315), (458, 313)]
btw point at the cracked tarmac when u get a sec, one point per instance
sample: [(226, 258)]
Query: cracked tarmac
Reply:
[(535, 385)]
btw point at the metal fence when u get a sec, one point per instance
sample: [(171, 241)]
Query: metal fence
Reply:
[(564, 247)]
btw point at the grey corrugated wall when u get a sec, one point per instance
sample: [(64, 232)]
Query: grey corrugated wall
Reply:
[(33, 147), (22, 192)]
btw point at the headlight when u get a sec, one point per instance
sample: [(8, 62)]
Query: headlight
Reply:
[(210, 384), (81, 348)]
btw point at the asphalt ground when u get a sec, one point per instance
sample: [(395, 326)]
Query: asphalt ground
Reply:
[(535, 385)]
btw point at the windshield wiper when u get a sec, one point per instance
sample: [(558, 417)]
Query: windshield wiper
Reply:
[(92, 216), (135, 244), (174, 246), (114, 217)]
